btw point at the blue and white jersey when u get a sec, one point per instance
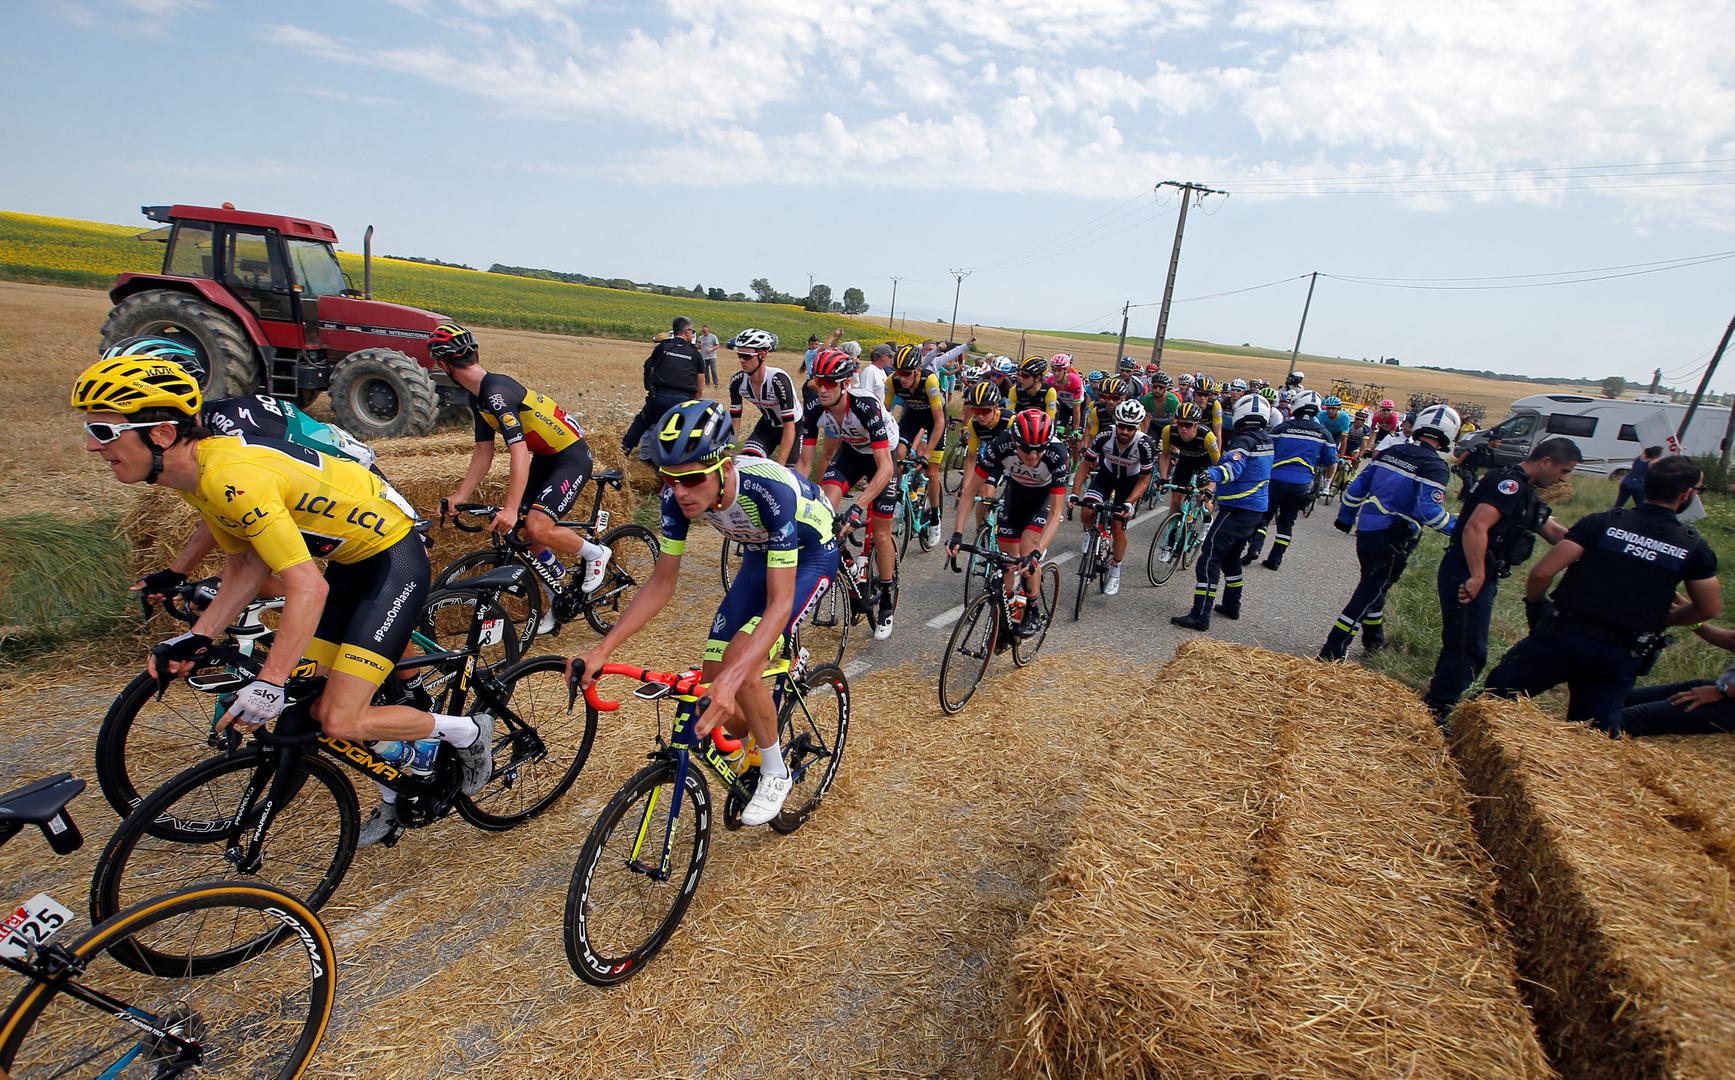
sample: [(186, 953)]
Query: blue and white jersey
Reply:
[(1403, 485), (1243, 473), (774, 510), (1302, 448)]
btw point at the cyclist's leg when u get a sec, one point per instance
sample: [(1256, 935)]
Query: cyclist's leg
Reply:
[(990, 492), (761, 440), (840, 475), (555, 484), (884, 510), (1089, 504), (1123, 493), (936, 454), (732, 631)]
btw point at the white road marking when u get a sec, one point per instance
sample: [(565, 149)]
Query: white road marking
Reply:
[(856, 667), (946, 618)]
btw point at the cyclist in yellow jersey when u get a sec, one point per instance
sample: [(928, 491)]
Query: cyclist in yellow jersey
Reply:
[(985, 417), (921, 423), (1029, 390), (550, 459), (1186, 449), (1109, 395), (274, 507)]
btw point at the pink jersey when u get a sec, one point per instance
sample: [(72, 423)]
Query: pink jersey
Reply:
[(1068, 387)]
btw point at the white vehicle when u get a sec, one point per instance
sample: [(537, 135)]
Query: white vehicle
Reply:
[(1610, 432)]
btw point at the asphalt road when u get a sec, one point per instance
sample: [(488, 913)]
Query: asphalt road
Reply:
[(1289, 610)]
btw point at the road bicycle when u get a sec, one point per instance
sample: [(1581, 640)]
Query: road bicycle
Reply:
[(280, 808), (1178, 534), (956, 459), (913, 508), (641, 863), (1341, 475), (988, 627), (153, 731), (1098, 553), (982, 574), (633, 555), (227, 977)]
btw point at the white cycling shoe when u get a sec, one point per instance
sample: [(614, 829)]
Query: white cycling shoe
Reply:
[(594, 569), (767, 799), (1113, 584)]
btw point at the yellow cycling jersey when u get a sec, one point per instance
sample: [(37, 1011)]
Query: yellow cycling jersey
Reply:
[(1202, 446), (925, 396), (975, 435), (291, 504), (1043, 398)]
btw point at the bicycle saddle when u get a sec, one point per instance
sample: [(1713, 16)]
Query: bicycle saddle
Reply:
[(501, 577), (40, 802), (609, 476)]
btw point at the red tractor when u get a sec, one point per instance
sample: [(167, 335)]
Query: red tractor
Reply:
[(272, 312)]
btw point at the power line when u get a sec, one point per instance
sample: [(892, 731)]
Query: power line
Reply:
[(1562, 273), (1235, 292), (1506, 190), (1492, 174), (1532, 284)]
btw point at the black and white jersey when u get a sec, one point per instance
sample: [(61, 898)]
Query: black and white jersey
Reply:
[(775, 395), (1136, 459)]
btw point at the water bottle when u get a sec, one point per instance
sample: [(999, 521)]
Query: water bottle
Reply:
[(553, 565), (415, 758)]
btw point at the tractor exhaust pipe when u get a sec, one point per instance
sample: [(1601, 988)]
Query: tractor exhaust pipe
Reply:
[(367, 263)]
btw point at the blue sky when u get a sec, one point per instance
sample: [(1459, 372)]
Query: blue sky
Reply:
[(714, 141)]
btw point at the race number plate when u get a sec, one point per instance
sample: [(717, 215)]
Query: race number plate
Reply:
[(35, 921), (493, 631), (601, 520)]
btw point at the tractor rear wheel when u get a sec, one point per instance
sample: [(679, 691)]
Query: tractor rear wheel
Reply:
[(382, 394), (231, 361)]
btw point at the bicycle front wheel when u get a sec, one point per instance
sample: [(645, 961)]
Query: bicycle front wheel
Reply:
[(813, 725), (263, 1015), (730, 562), (306, 851), (538, 748), (1165, 541), (620, 908), (972, 644), (144, 742), (633, 556), (1085, 563), (1024, 648)]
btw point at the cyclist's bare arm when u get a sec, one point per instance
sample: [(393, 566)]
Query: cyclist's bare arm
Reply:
[(786, 441), (481, 460), (652, 597), (517, 480), (192, 553), (967, 497)]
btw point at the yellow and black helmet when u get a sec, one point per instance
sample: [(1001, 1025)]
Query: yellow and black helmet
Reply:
[(1189, 413), (129, 384), (983, 395), (1114, 386), (450, 342), (907, 358)]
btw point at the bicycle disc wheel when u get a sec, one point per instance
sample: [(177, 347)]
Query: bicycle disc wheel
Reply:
[(1024, 649), (1163, 540), (968, 651), (813, 726), (263, 1015), (525, 607), (538, 749), (306, 852), (449, 613), (826, 632), (144, 742), (618, 915), (634, 549)]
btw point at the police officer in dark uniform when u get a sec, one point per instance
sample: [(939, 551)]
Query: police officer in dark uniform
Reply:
[(1496, 531), (1243, 494), (1603, 628), (1470, 462), (672, 375), (1388, 504)]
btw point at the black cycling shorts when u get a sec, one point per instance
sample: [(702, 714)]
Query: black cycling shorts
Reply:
[(556, 479), (1023, 508), (1107, 487), (911, 425), (764, 440), (370, 608), (850, 467), (1186, 468)]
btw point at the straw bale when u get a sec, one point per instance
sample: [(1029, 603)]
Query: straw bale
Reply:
[(1615, 862), (1275, 876)]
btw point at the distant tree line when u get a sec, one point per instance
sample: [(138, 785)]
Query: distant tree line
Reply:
[(854, 301), (429, 262)]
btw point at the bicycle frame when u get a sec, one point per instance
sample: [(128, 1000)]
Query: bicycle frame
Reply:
[(516, 543), (55, 966)]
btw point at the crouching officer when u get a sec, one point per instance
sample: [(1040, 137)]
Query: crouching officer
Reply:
[(1496, 531), (1302, 452), (1388, 504), (1603, 628), (1243, 479)]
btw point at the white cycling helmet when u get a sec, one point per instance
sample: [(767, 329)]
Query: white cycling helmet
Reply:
[(1186, 379), (1252, 409), (1303, 400), (1238, 384), (752, 340), (1129, 412), (1441, 420)]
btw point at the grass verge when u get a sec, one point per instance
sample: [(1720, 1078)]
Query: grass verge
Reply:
[(60, 580)]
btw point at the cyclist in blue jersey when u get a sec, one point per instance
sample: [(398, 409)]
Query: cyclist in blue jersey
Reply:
[(786, 525)]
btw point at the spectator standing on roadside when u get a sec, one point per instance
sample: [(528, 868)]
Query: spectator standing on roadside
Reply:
[(812, 351), (1633, 483), (673, 373), (870, 378), (707, 343)]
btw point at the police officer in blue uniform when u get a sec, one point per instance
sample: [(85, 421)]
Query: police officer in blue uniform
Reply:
[(1302, 451), (1604, 626), (1388, 504), (1496, 532), (1243, 480)]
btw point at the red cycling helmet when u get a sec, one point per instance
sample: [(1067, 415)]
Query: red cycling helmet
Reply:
[(834, 365), (1032, 429)]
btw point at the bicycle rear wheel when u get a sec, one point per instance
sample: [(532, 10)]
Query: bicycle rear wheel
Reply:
[(262, 1015), (449, 614), (525, 606), (306, 852), (539, 749), (952, 466), (144, 742), (1165, 540), (813, 727), (825, 634), (617, 914), (730, 562), (633, 556), (1024, 649), (1085, 564), (971, 646)]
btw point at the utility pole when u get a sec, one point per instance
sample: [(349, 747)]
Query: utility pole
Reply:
[(1656, 379), (1699, 394), (1293, 353), (1120, 346), (1187, 191), (894, 307), (960, 275), (1021, 345)]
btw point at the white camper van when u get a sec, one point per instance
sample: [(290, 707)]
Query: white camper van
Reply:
[(1609, 432)]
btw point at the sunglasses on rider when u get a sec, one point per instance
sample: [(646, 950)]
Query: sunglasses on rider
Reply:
[(1127, 429), (829, 384), (747, 355), (1186, 423), (105, 433), (690, 479), (983, 412)]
